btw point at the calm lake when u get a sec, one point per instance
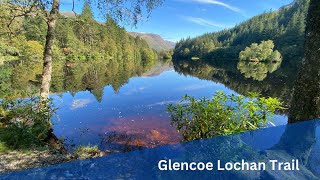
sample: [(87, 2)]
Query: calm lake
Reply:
[(133, 114)]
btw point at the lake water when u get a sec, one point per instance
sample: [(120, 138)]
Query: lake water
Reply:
[(134, 116)]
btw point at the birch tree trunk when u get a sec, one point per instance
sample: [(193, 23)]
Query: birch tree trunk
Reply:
[(47, 55), (305, 104), (47, 71)]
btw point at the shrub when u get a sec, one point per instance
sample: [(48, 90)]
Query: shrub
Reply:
[(88, 151), (221, 115), (23, 124)]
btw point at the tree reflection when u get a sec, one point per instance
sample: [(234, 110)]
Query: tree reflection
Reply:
[(93, 75), (257, 70), (278, 83)]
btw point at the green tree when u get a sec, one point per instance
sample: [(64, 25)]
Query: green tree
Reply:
[(260, 52), (86, 25), (35, 28)]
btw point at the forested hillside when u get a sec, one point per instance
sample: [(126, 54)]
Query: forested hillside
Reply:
[(284, 26), (77, 38), (83, 48)]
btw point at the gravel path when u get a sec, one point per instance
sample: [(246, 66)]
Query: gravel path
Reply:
[(17, 160)]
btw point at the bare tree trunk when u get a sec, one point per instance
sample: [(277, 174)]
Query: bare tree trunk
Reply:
[(47, 55), (55, 143), (47, 71), (305, 103)]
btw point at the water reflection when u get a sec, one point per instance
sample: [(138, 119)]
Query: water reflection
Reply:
[(127, 118), (121, 109), (267, 79), (135, 116), (126, 134), (257, 70), (22, 79)]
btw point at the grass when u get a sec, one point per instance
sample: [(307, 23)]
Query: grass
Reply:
[(4, 148), (19, 139), (87, 151)]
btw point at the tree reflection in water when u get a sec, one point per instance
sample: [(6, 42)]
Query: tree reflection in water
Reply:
[(277, 83), (257, 70)]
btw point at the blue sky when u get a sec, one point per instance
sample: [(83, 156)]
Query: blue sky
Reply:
[(177, 19)]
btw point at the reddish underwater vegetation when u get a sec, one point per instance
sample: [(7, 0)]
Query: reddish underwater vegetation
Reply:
[(133, 133)]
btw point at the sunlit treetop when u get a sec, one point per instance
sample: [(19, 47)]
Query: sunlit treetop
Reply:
[(127, 11)]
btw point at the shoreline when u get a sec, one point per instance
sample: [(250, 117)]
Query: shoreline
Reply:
[(19, 160)]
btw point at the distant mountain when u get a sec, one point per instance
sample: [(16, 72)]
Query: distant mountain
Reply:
[(68, 13), (155, 41), (288, 5), (159, 68)]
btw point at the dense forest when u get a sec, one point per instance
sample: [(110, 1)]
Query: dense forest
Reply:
[(83, 47), (285, 27)]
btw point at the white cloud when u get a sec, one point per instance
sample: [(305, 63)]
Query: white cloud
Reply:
[(203, 22), (162, 103), (134, 90), (193, 87), (80, 103), (232, 8), (219, 3)]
